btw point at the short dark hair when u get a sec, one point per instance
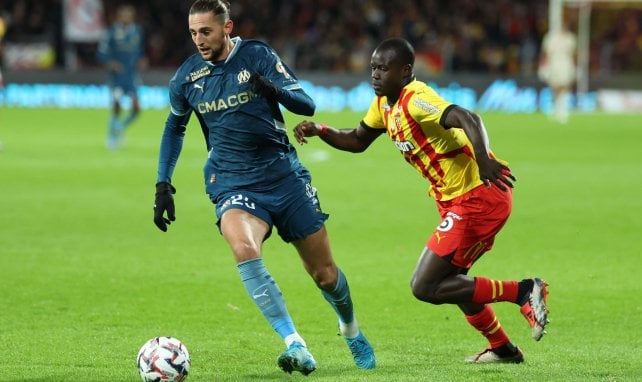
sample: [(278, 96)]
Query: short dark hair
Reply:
[(404, 52), (220, 8)]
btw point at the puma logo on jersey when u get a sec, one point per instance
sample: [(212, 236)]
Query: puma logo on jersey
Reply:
[(197, 86)]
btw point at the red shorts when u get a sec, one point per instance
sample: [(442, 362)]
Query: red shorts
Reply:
[(469, 224)]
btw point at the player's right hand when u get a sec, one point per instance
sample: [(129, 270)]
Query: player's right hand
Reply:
[(164, 201), (305, 129)]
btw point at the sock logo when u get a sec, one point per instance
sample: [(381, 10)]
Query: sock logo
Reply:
[(256, 295)]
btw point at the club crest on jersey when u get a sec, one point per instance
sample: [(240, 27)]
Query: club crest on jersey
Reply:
[(202, 72), (398, 122), (396, 126), (243, 76)]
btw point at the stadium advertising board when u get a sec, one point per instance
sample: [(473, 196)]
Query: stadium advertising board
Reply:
[(501, 96)]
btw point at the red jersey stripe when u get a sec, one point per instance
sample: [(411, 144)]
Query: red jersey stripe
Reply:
[(419, 136)]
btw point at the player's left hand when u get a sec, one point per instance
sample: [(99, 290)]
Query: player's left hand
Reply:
[(264, 87), (492, 171)]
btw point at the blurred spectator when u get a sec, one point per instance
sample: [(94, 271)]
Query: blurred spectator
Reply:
[(33, 35), (3, 28), (496, 36)]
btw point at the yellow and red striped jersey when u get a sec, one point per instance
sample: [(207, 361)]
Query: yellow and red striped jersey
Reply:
[(414, 123)]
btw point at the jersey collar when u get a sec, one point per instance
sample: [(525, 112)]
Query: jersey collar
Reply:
[(237, 42)]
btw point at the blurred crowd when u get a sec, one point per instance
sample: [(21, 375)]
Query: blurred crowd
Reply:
[(494, 36)]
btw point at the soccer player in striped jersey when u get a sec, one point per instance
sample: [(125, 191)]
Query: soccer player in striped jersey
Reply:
[(123, 52), (252, 172), (448, 145)]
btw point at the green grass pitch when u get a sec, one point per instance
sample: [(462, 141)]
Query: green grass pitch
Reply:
[(86, 278)]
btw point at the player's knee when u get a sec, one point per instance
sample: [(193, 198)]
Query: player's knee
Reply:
[(244, 251), (325, 284), (324, 277), (425, 292)]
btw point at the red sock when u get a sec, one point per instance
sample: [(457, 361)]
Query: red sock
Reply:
[(488, 325), (487, 291)]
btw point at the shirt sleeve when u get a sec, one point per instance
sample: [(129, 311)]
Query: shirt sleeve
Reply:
[(374, 116), (427, 107), (293, 97), (171, 146), (174, 132), (177, 100)]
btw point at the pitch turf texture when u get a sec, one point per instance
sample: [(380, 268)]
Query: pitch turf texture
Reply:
[(86, 278)]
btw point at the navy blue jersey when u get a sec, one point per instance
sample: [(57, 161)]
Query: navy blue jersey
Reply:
[(245, 133), (124, 44)]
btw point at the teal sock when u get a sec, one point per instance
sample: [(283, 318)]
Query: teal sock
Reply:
[(340, 299), (114, 122), (266, 295), (130, 118)]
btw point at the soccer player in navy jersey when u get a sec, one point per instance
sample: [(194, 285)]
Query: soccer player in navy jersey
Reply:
[(448, 145), (252, 172), (122, 51)]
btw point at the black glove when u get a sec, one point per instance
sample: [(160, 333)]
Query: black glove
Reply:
[(264, 87), (164, 201)]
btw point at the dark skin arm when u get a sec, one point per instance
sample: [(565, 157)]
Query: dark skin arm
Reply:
[(358, 139), (353, 140), (490, 170)]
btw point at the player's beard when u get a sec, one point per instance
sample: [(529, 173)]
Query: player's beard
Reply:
[(216, 51)]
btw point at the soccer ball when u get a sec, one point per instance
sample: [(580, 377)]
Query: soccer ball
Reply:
[(163, 359)]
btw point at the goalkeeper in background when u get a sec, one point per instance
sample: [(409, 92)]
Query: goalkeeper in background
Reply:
[(448, 145), (252, 172), (123, 53)]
